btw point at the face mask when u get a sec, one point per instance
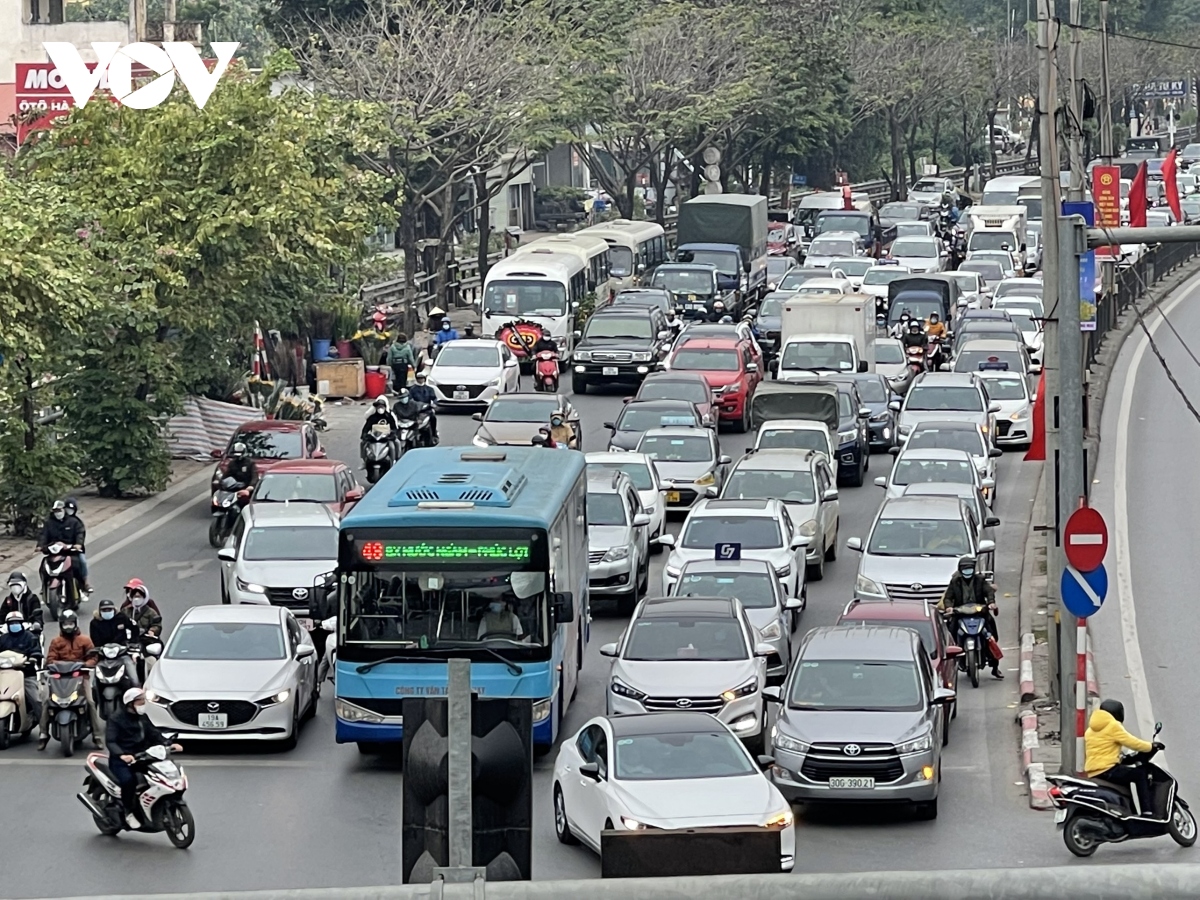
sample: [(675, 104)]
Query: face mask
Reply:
[(139, 600), (107, 614), (14, 627), (445, 326), (496, 607), (556, 421), (60, 514), (968, 573), (139, 708), (16, 590)]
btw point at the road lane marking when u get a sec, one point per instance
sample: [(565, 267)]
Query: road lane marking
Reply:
[(186, 763), (1134, 664)]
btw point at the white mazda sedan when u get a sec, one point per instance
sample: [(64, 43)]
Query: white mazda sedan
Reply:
[(659, 771), (239, 672)]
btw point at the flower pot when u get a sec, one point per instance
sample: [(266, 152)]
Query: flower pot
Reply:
[(345, 350), (320, 349)]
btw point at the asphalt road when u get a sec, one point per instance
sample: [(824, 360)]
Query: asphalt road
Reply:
[(324, 816)]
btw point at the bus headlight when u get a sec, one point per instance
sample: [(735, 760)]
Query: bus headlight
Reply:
[(541, 710), (348, 712)]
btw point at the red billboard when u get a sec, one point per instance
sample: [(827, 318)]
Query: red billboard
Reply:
[(1106, 194), (40, 87)]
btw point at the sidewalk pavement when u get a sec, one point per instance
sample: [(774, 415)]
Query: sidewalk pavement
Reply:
[(103, 515)]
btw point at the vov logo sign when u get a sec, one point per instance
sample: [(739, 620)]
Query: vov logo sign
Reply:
[(171, 59)]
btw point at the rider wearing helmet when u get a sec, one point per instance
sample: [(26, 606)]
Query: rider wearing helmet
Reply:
[(130, 731), (560, 431), (406, 406), (915, 336), (241, 466), (425, 395), (901, 327), (718, 310), (967, 587), (63, 527), (71, 645), (1102, 745), (379, 414), (21, 599), (446, 333), (108, 626), (17, 638), (140, 609)]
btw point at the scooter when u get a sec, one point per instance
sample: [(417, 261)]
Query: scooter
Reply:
[(60, 587), (160, 805), (15, 719), (377, 451), (69, 719), (416, 432), (546, 372), (916, 359), (970, 630), (1092, 811), (110, 680), (226, 507)]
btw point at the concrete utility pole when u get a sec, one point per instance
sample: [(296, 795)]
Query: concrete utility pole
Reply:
[(1108, 264), (458, 762), (169, 20), (1075, 191)]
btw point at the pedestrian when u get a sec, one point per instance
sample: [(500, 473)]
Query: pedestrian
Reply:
[(400, 357)]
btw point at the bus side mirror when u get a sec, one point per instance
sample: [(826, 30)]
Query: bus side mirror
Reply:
[(564, 607)]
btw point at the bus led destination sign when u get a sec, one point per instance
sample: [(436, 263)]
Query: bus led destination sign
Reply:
[(450, 551)]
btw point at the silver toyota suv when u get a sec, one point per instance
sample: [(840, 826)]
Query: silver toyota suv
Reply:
[(618, 538), (860, 719)]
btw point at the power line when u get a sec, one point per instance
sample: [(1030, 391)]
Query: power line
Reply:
[(1140, 38)]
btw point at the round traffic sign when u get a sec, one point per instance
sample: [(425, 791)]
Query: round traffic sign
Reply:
[(1085, 539)]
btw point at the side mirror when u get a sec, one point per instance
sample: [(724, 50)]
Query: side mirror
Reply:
[(792, 603), (1035, 369), (724, 460), (991, 522), (953, 651), (987, 547), (641, 520), (864, 413), (574, 304), (943, 695), (478, 417), (830, 494), (862, 365), (564, 606), (626, 399), (995, 453), (591, 770), (763, 649), (894, 405), (356, 493), (988, 483), (994, 408), (611, 426), (751, 367), (801, 542), (854, 543), (609, 650), (217, 454), (773, 694), (765, 762), (666, 540), (320, 454), (1157, 728), (227, 554), (881, 481), (577, 334), (306, 651)]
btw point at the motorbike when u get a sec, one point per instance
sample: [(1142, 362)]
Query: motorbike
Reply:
[(933, 354), (161, 784), (227, 502), (377, 451), (416, 432), (915, 357), (60, 587), (69, 719), (969, 628), (151, 649), (1092, 811), (110, 681), (15, 720), (546, 372)]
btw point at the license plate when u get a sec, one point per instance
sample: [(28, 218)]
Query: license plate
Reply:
[(462, 395), (852, 783), (699, 307), (672, 496), (1060, 816), (306, 624), (213, 720), (609, 370)]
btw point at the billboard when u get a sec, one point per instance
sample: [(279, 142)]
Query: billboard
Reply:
[(1165, 87)]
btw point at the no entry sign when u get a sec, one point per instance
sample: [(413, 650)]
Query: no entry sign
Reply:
[(1085, 539)]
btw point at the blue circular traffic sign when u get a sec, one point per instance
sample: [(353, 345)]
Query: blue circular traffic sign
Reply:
[(1083, 593)]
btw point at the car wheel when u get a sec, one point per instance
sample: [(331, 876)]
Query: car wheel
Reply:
[(224, 592), (866, 456), (816, 571), (643, 578), (743, 424), (562, 828), (289, 743), (857, 479), (831, 549), (946, 726), (626, 603)]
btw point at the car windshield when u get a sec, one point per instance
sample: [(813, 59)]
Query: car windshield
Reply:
[(640, 418), (912, 229), (778, 265), (793, 439), (684, 281), (279, 486), (830, 247), (709, 360), (835, 355), (1023, 319), (688, 638), (934, 438), (999, 197), (523, 409), (605, 509), (990, 240), (771, 306), (900, 211), (226, 641), (308, 542), (1026, 288), (676, 448), (679, 756), (638, 472), (989, 270), (632, 327), (923, 628), (933, 471), (793, 279), (1006, 388), (620, 261), (968, 282), (767, 484), (754, 590), (853, 268), (525, 298), (958, 399), (1012, 306), (665, 389), (889, 353), (468, 356), (644, 301), (999, 257), (920, 248), (872, 390), (919, 537), (883, 274), (833, 684), (971, 360), (828, 222), (752, 532), (725, 261), (269, 444), (928, 187)]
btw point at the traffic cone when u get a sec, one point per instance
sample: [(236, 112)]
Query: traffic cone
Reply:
[(1037, 446)]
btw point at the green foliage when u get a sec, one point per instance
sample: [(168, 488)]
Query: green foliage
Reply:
[(32, 477)]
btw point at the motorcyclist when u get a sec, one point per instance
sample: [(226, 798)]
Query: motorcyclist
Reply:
[(544, 438), (423, 394), (70, 645), (1102, 743), (21, 599), (936, 331), (380, 415), (915, 336), (61, 528), (544, 342), (901, 327), (145, 615), (406, 407), (674, 322), (129, 732), (445, 334), (561, 432), (72, 508), (718, 310), (967, 587), (108, 626), (242, 468), (19, 639)]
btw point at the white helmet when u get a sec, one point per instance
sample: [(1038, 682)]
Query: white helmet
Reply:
[(133, 695)]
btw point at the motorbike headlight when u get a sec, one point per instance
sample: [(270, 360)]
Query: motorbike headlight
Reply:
[(621, 689), (249, 587), (706, 479), (742, 690), (616, 553), (772, 632), (583, 356), (809, 528), (864, 585), (924, 742), (783, 741)]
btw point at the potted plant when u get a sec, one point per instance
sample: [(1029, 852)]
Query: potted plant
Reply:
[(348, 315), (370, 344), (320, 330)]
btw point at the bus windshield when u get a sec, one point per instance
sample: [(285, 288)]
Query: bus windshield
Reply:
[(525, 298)]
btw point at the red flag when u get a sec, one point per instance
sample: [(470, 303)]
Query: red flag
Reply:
[(1037, 443), (1137, 199), (1171, 185)]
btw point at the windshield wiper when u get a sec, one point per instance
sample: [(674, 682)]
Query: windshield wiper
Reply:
[(367, 667), (445, 646)]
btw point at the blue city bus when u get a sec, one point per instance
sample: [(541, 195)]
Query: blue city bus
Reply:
[(463, 552)]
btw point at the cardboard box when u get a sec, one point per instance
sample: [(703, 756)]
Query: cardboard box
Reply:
[(342, 378)]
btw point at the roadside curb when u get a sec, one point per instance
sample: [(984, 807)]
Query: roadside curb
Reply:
[(1028, 691), (1035, 773)]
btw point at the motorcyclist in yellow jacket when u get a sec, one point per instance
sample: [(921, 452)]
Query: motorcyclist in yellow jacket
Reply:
[(1102, 745)]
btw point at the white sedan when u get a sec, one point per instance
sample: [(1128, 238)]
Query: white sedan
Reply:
[(663, 771), (243, 672), (473, 373), (920, 255)]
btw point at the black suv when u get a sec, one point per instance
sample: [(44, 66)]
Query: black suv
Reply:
[(619, 345)]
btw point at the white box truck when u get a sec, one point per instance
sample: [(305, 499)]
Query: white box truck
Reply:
[(821, 333), (991, 227)]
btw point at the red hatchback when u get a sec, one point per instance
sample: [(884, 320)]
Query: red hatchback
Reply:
[(924, 619), (327, 481), (269, 442), (729, 367)]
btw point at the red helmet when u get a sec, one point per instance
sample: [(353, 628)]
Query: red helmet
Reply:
[(136, 584)]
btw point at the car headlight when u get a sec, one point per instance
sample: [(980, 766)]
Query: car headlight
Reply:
[(348, 712), (771, 632), (621, 689), (809, 528), (864, 585), (495, 382), (155, 697), (880, 416), (583, 356), (1017, 416), (634, 824), (672, 572), (783, 571), (779, 820), (924, 742), (706, 478), (744, 690), (480, 442), (846, 437), (275, 699), (782, 741), (249, 588), (541, 710), (616, 553), (642, 357)]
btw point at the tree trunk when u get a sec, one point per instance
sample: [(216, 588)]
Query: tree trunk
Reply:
[(911, 148), (28, 412), (895, 137), (658, 180), (483, 224), (937, 128), (626, 204), (968, 156), (768, 169), (991, 142), (408, 243)]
